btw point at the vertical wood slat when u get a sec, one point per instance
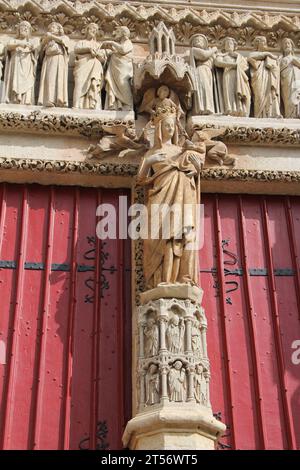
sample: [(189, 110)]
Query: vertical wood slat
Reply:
[(252, 328), (276, 327), (12, 350), (42, 327), (95, 340), (70, 327), (293, 245), (120, 324), (223, 316)]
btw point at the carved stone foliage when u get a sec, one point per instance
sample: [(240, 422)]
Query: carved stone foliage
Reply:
[(68, 124), (245, 134), (173, 365)]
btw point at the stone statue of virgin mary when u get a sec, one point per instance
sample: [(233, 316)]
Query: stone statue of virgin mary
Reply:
[(171, 172)]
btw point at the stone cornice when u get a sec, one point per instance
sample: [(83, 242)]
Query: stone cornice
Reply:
[(140, 17), (60, 123), (130, 169)]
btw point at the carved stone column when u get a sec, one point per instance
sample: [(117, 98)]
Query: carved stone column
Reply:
[(174, 406)]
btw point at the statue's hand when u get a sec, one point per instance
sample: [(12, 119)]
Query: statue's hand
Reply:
[(157, 157)]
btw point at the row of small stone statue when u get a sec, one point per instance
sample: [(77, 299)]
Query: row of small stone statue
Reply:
[(174, 336), (223, 84), (178, 384), (21, 56)]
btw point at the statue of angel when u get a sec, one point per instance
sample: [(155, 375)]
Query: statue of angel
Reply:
[(123, 141), (215, 151)]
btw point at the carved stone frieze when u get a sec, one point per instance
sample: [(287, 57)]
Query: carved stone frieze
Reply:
[(249, 134), (216, 24), (67, 124)]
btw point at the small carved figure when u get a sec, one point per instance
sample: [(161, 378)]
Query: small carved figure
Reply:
[(162, 98), (54, 75), (202, 61), (2, 50), (120, 71), (290, 80), (151, 338), (265, 80), (213, 150), (196, 337), (88, 70), (200, 385), (175, 334), (20, 70), (177, 382), (152, 385), (123, 141), (233, 89)]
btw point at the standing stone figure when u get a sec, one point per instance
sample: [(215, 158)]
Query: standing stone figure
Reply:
[(171, 171), (176, 380), (200, 386), (290, 80), (120, 71), (151, 338), (152, 385), (20, 70), (54, 76), (88, 70), (202, 60), (265, 80), (175, 334), (233, 88), (1, 59), (196, 337)]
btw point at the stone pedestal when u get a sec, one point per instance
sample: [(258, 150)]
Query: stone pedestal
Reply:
[(173, 426)]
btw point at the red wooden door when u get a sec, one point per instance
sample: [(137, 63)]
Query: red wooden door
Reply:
[(250, 276), (65, 341)]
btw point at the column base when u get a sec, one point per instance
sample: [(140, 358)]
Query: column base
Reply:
[(173, 426)]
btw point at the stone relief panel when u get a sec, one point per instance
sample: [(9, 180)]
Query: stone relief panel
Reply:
[(173, 365)]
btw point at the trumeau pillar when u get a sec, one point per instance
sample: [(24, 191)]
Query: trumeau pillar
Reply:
[(173, 409)]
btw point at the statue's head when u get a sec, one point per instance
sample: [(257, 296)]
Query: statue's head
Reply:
[(175, 320), (229, 45), (287, 45), (91, 30), (166, 127), (56, 28), (24, 29), (163, 92), (122, 32), (199, 40), (199, 368), (153, 369), (260, 43), (177, 365)]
